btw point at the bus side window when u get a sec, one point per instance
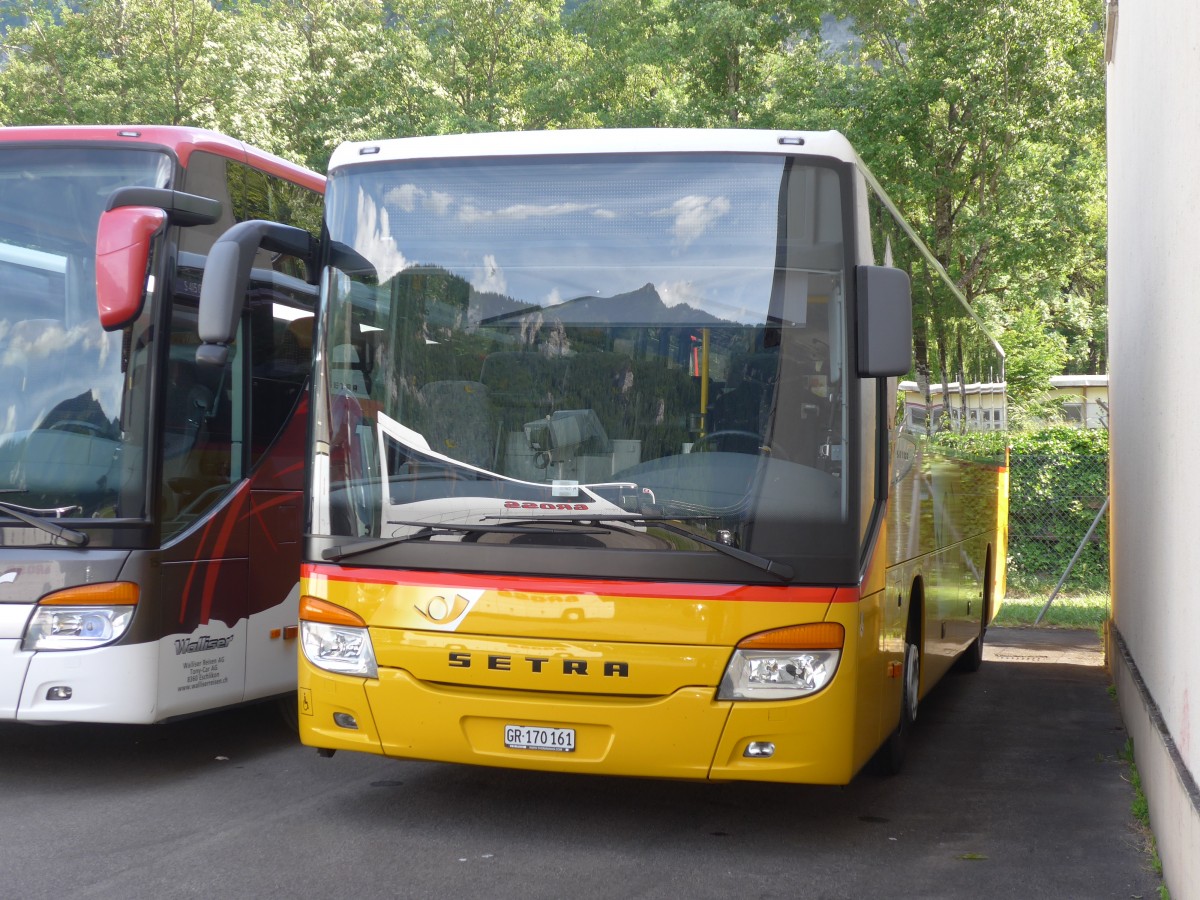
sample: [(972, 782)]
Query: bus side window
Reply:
[(197, 427), (280, 304), (280, 358)]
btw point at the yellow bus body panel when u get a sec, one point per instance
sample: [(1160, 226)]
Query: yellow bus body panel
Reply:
[(637, 708)]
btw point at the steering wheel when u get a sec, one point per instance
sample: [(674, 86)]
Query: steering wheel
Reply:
[(731, 441), (77, 426)]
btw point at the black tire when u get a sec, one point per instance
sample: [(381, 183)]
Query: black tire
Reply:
[(289, 712), (972, 658), (895, 749)]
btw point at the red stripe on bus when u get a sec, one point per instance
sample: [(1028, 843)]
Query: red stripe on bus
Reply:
[(228, 523)]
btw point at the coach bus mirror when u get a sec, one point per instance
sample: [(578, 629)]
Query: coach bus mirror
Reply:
[(181, 209), (123, 240), (884, 321), (351, 261), (227, 276)]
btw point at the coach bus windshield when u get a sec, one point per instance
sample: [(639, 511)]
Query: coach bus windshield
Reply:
[(636, 352), (68, 447)]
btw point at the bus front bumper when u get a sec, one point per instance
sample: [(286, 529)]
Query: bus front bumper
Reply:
[(687, 734)]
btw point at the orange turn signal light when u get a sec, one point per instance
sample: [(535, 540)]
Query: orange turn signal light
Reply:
[(815, 636), (108, 593), (314, 609)]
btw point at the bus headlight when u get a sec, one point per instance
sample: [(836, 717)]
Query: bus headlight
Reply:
[(784, 664), (336, 639), (339, 648), (83, 617), (75, 627)]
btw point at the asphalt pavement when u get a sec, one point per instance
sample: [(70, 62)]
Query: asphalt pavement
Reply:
[(1014, 787), (1033, 748)]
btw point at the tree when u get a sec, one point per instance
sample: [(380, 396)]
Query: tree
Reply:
[(496, 62), (983, 116), (627, 73), (729, 50), (109, 61), (301, 76)]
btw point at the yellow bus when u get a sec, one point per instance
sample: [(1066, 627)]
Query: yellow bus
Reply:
[(609, 471)]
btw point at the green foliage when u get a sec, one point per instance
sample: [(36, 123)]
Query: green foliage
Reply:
[(1140, 808), (985, 121), (984, 118), (1085, 611), (1035, 352)]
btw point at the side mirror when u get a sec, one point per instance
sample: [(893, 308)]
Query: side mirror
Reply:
[(133, 217), (883, 315), (227, 276), (123, 241)]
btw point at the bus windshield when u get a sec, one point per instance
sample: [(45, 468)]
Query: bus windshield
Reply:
[(62, 377), (587, 353)]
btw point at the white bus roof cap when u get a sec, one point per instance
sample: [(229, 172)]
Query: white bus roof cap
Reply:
[(599, 140)]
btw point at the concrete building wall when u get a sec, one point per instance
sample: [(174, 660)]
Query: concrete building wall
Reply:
[(1154, 340)]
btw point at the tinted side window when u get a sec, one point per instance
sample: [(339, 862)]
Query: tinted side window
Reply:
[(218, 423), (280, 303)]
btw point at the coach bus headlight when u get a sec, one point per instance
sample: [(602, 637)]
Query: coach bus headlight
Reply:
[(79, 618), (784, 664), (335, 639)]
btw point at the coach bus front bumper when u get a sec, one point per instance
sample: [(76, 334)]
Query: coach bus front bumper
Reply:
[(685, 733)]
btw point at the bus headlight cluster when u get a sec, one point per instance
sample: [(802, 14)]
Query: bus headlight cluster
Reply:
[(336, 639), (75, 627), (783, 664), (339, 648), (78, 618)]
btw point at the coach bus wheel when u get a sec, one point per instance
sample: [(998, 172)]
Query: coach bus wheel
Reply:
[(972, 659), (891, 754), (289, 711)]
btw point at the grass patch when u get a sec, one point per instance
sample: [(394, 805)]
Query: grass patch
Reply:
[(1078, 611), (1141, 813)]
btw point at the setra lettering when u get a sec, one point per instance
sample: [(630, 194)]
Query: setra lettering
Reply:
[(499, 662)]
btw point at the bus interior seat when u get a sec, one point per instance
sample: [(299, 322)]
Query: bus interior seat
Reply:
[(346, 373), (186, 415), (295, 347), (523, 379), (745, 404), (457, 421)]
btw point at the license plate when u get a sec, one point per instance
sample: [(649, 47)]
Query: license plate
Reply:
[(531, 737)]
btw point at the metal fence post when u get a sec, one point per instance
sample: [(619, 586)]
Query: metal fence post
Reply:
[(1078, 551)]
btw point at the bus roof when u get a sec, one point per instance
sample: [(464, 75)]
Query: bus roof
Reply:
[(604, 140), (180, 140)]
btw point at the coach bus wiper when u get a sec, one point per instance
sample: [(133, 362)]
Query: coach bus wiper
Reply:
[(38, 518), (428, 530), (780, 570)]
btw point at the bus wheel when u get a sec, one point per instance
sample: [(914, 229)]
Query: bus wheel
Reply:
[(972, 659), (289, 712), (891, 754)]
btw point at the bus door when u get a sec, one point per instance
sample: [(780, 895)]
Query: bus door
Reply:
[(204, 510), (233, 484)]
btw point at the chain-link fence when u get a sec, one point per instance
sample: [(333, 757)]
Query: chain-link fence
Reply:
[(1056, 489)]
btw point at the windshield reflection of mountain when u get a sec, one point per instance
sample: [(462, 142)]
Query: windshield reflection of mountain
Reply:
[(81, 414)]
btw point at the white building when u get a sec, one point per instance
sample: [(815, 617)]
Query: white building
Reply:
[(984, 405), (1154, 335), (1085, 398)]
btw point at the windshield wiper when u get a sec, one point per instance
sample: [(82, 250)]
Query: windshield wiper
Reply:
[(39, 518), (429, 529), (780, 570)]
